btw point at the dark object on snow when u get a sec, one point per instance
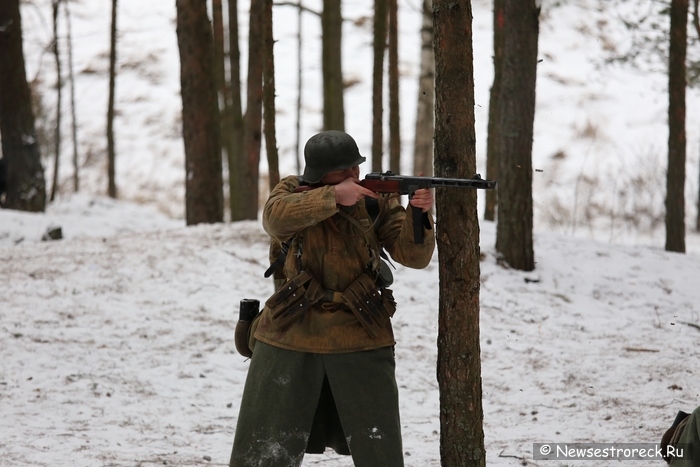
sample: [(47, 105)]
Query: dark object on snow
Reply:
[(671, 436), (52, 233), (250, 308)]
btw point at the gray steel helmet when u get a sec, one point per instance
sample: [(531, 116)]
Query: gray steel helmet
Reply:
[(329, 151)]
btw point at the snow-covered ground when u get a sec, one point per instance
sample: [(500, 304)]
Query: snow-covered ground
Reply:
[(116, 343)]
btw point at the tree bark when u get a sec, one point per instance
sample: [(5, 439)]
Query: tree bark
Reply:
[(111, 151), (24, 184), (494, 117), (425, 112), (675, 176), (74, 117), (459, 354), (297, 127), (380, 13), (252, 126), (59, 87), (236, 161), (394, 119), (269, 98), (332, 26), (200, 119), (516, 112), (222, 84), (696, 23)]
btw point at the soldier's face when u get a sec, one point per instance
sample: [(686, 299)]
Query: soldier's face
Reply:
[(337, 176)]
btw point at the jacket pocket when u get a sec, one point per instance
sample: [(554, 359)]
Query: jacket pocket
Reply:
[(369, 305), (292, 300)]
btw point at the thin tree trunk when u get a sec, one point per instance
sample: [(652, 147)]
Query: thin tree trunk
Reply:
[(59, 86), (332, 26), (236, 161), (74, 118), (222, 84), (696, 23), (459, 354), (494, 117), (111, 151), (394, 121), (25, 187), (675, 177), (269, 98), (297, 129), (425, 112), (252, 132), (514, 145), (380, 13), (204, 201)]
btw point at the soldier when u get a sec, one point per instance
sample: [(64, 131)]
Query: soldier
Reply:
[(322, 367), (683, 438)]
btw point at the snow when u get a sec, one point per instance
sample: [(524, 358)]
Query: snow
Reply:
[(116, 343), (117, 346)]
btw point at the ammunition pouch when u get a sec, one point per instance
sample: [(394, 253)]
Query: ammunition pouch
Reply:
[(371, 306), (293, 299)]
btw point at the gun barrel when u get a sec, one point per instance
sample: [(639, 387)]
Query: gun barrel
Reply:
[(475, 182)]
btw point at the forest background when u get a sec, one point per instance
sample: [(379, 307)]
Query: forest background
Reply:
[(600, 129)]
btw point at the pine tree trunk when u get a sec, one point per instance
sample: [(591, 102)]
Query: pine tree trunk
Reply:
[(200, 115), (222, 84), (516, 112), (74, 117), (111, 151), (300, 82), (394, 120), (269, 98), (332, 26), (425, 112), (696, 23), (459, 354), (675, 177), (24, 184), (236, 161), (252, 126), (494, 117), (59, 87), (380, 19)]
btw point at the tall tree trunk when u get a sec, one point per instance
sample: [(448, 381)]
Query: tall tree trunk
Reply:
[(236, 161), (297, 127), (74, 118), (332, 26), (675, 177), (696, 23), (394, 121), (459, 354), (25, 187), (425, 112), (111, 152), (516, 112), (252, 132), (59, 87), (494, 117), (222, 84), (269, 98), (200, 119), (380, 13)]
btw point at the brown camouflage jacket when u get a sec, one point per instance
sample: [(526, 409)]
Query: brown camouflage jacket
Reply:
[(337, 249)]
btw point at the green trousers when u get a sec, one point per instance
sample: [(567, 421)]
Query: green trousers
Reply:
[(286, 394)]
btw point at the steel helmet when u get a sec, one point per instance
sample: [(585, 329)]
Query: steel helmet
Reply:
[(328, 151)]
